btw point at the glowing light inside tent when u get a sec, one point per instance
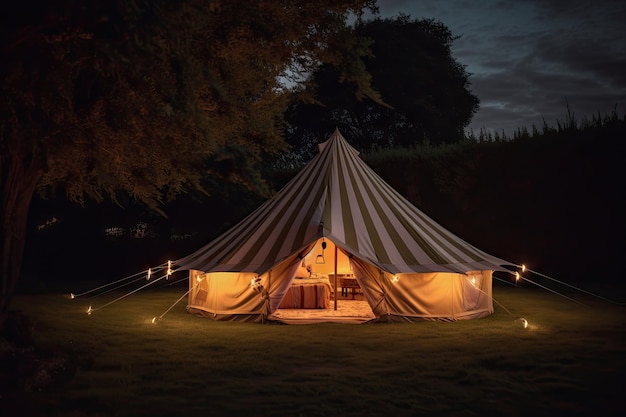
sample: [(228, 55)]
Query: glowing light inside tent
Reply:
[(395, 279), (255, 282), (473, 281)]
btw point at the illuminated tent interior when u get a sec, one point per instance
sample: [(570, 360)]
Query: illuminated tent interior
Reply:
[(336, 228)]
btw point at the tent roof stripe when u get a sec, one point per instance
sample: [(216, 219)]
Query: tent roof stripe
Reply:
[(339, 197)]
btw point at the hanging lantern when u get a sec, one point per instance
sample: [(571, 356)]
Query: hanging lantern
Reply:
[(319, 259)]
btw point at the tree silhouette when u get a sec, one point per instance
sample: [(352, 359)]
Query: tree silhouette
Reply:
[(425, 92), (146, 99)]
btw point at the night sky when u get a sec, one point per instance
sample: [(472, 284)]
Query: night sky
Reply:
[(530, 59)]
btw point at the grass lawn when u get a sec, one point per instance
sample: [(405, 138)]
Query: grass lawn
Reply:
[(115, 362)]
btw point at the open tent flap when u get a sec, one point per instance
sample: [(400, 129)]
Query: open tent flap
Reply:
[(248, 296), (244, 296), (430, 295)]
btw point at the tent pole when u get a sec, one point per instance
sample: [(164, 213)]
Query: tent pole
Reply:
[(335, 277)]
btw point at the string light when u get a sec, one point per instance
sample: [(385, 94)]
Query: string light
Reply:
[(116, 284), (523, 268), (517, 276), (149, 274), (255, 282), (89, 310), (169, 269), (127, 294)]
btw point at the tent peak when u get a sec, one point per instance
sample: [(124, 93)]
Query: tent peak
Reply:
[(336, 136)]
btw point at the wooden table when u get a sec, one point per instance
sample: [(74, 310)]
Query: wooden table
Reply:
[(347, 283)]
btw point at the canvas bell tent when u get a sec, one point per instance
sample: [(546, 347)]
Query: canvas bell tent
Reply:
[(337, 218)]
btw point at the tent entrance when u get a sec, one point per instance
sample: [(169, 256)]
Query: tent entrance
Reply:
[(324, 289)]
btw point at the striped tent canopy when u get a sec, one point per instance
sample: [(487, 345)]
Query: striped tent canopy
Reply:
[(338, 197)]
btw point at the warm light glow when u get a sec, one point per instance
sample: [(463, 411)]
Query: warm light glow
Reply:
[(72, 296), (522, 322), (523, 268), (169, 269), (154, 320), (395, 279), (473, 280), (255, 282), (89, 310), (149, 274), (199, 278), (517, 276)]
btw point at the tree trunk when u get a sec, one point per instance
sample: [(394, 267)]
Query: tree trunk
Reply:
[(19, 176)]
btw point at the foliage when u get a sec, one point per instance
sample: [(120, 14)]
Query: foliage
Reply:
[(571, 124), (147, 99), (540, 199), (424, 92)]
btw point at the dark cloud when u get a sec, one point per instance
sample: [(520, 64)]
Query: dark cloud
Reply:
[(530, 60)]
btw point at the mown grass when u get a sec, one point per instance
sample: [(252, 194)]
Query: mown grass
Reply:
[(570, 361)]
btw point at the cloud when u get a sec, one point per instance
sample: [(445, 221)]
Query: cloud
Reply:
[(529, 60)]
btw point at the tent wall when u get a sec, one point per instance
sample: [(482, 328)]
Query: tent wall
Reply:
[(245, 296), (225, 296), (240, 296), (418, 296)]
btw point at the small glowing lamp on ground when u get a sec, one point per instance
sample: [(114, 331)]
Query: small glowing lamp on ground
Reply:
[(522, 322)]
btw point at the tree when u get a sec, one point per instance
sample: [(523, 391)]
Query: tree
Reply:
[(425, 92), (147, 99)]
